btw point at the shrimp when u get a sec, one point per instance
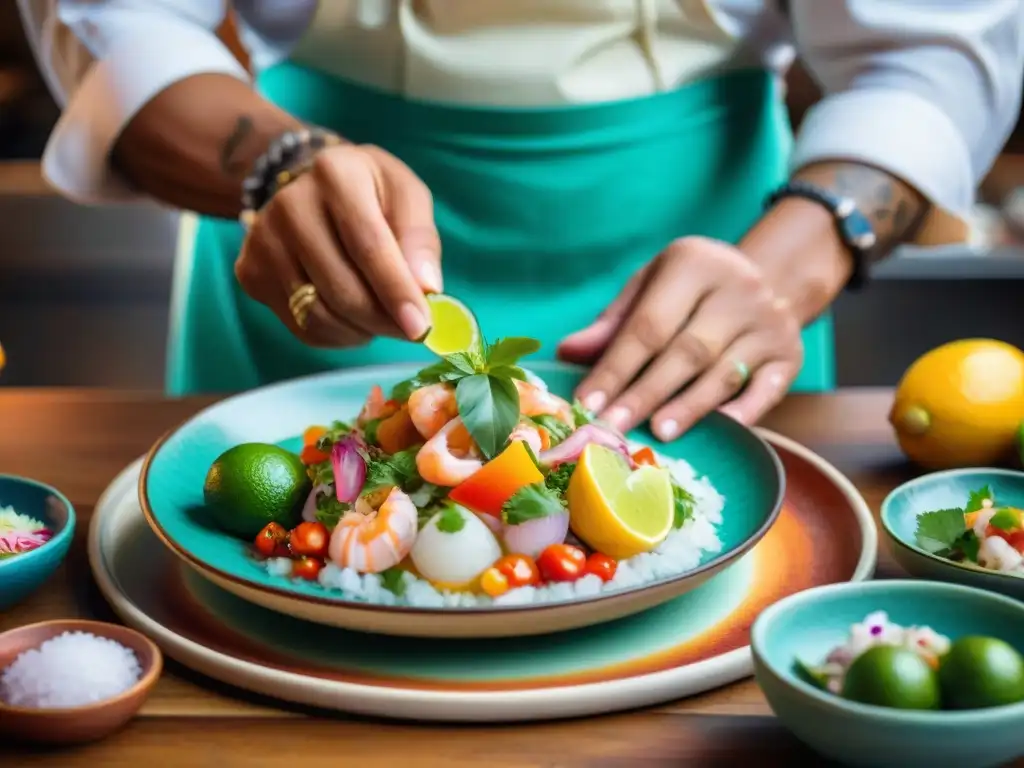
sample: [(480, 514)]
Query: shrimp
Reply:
[(431, 407), (537, 439), (376, 407), (438, 462), (379, 539), (534, 401)]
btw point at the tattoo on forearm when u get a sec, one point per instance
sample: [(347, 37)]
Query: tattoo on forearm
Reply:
[(230, 163), (895, 209)]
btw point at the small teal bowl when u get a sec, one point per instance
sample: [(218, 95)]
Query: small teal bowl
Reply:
[(809, 624), (945, 490), (23, 574)]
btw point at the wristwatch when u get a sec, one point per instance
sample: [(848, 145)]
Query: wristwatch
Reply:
[(854, 227)]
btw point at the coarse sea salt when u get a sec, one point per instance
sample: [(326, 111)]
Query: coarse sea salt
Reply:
[(70, 670)]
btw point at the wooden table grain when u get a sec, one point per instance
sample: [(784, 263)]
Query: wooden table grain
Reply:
[(78, 440)]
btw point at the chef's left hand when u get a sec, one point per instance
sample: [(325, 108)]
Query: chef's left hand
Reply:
[(696, 329)]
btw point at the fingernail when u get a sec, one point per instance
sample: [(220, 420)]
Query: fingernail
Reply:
[(413, 321), (730, 412), (617, 416), (430, 276), (595, 401), (667, 429)]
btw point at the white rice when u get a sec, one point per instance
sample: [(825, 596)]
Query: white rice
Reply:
[(70, 670), (681, 551)]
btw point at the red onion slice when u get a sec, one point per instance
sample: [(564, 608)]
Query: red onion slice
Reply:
[(571, 448), (349, 469), (531, 537), (309, 508)]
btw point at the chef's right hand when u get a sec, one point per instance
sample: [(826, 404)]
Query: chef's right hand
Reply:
[(359, 226)]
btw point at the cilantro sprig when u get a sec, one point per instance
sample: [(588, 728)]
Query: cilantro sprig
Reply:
[(944, 532), (485, 391), (531, 502)]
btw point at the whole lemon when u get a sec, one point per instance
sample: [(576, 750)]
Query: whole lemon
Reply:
[(961, 404)]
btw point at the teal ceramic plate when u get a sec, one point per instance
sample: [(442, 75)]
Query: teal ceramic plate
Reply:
[(743, 468), (945, 490), (824, 534), (809, 624)]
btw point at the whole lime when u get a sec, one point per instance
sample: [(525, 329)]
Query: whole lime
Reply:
[(888, 676), (981, 672), (253, 484)]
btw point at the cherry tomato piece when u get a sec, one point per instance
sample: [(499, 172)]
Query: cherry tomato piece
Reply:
[(493, 582), (520, 570), (561, 562), (307, 568), (309, 540), (272, 541), (645, 456), (601, 566)]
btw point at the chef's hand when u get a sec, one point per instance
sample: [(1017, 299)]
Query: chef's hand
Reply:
[(696, 329), (359, 227)]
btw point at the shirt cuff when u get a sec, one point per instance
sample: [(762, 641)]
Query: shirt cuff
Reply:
[(77, 157), (905, 135)]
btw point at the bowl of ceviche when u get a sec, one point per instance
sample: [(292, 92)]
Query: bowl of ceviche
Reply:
[(467, 498), (37, 524), (894, 673), (961, 525)]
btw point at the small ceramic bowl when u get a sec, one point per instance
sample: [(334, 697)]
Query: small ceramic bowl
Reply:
[(23, 574), (75, 725), (807, 625), (945, 490)]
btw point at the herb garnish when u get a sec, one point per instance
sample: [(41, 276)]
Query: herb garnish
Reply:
[(684, 503), (451, 520), (531, 502), (393, 580), (398, 469), (334, 433), (329, 510), (581, 415), (485, 391), (558, 478), (944, 532), (557, 429)]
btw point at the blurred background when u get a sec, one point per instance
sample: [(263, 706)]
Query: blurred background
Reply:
[(84, 292)]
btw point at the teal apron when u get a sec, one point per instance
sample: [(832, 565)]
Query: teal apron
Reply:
[(543, 213)]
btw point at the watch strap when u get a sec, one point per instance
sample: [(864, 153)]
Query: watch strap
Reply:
[(853, 226)]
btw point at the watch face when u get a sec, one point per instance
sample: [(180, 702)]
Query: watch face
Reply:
[(858, 231)]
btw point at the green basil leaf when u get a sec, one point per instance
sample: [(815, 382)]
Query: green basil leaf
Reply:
[(509, 351), (489, 407), (461, 361), (508, 372)]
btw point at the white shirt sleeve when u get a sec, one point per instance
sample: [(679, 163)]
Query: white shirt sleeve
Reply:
[(927, 90), (104, 61)]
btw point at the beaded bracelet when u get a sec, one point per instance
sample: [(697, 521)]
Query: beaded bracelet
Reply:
[(289, 156)]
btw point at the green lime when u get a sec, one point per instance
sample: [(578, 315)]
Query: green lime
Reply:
[(887, 676), (981, 672), (253, 484)]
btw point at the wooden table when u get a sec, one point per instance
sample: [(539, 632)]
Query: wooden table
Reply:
[(79, 440)]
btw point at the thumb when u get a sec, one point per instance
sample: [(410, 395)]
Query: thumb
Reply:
[(410, 212)]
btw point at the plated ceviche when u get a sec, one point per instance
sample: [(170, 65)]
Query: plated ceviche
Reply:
[(471, 484), (981, 533), (915, 667)]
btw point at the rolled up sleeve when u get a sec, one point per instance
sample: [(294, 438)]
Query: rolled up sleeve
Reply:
[(928, 91), (105, 61)]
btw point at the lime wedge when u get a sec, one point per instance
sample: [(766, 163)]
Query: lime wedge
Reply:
[(618, 511), (453, 328)]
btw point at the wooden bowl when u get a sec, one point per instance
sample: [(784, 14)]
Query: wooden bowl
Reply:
[(74, 725)]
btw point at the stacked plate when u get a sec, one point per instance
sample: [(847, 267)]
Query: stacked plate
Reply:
[(789, 522)]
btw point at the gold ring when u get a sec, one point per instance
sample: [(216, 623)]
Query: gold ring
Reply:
[(300, 302)]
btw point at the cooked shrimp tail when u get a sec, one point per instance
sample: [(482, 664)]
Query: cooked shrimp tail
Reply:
[(372, 540), (439, 460)]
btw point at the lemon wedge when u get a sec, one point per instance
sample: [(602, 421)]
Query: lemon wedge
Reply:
[(453, 328), (618, 511)]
